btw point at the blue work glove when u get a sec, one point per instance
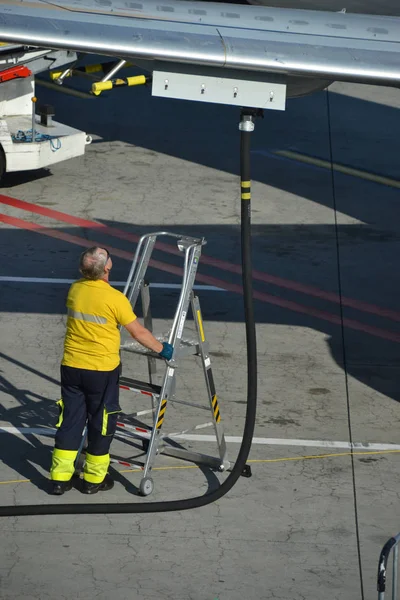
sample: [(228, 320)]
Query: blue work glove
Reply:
[(167, 351)]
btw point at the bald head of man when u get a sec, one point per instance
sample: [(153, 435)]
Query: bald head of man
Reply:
[(95, 263)]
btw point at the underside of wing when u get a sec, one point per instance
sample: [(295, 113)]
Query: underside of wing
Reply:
[(311, 44)]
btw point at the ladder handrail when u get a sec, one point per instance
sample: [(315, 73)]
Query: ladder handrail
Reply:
[(155, 234), (134, 262), (135, 271), (175, 323)]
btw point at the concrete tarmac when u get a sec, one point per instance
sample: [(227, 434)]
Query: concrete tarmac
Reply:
[(311, 521)]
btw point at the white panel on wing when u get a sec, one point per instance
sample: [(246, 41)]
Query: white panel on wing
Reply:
[(219, 90)]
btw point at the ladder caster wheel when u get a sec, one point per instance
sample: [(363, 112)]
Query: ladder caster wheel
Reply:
[(146, 486), (225, 466)]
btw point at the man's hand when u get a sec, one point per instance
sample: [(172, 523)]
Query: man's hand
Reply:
[(167, 351)]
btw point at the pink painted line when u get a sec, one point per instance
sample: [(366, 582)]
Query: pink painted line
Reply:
[(309, 290), (263, 297), (74, 239), (302, 288), (49, 212)]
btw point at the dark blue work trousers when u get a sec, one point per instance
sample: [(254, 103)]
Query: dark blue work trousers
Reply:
[(88, 398)]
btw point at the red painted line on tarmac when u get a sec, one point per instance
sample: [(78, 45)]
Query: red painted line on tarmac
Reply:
[(74, 239), (309, 290), (268, 298), (300, 308), (48, 212)]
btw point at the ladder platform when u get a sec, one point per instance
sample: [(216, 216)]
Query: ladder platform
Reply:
[(184, 348), (139, 386)]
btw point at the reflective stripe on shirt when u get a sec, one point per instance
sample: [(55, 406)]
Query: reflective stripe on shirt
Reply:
[(76, 314), (92, 339)]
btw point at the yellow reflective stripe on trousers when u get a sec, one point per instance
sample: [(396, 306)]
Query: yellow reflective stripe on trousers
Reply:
[(60, 404), (105, 422), (96, 468), (62, 465), (104, 427)]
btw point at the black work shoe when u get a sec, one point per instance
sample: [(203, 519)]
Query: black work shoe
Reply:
[(93, 488), (59, 487)]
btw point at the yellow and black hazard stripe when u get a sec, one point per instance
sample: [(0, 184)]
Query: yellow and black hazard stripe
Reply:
[(214, 399), (162, 413), (102, 86), (246, 190), (217, 414)]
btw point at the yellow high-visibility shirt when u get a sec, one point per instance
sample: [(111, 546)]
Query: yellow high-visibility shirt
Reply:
[(92, 340)]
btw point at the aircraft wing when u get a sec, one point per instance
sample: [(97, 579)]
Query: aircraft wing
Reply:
[(333, 46)]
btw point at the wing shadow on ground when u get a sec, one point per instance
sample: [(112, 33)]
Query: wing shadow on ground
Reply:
[(207, 134), (371, 340), (364, 135)]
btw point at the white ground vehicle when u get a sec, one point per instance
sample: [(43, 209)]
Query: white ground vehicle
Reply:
[(52, 142)]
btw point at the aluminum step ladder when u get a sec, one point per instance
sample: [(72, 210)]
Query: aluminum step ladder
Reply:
[(154, 440)]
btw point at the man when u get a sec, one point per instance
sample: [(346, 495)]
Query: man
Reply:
[(90, 372)]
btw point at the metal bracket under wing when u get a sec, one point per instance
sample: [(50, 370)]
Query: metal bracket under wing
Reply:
[(220, 90)]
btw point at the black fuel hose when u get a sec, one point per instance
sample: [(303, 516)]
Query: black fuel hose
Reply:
[(246, 127)]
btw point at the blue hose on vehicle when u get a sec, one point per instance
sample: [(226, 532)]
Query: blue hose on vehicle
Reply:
[(26, 137)]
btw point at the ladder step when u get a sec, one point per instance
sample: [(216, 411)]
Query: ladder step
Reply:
[(139, 386)]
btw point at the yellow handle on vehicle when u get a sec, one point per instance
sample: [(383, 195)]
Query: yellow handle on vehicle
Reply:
[(137, 80), (101, 86)]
